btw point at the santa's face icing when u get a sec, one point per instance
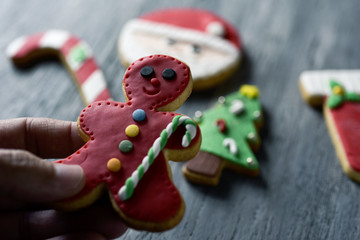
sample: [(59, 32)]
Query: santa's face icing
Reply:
[(206, 54), (203, 59), (158, 80)]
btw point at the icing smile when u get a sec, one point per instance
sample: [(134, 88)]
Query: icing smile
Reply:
[(155, 83), (153, 91)]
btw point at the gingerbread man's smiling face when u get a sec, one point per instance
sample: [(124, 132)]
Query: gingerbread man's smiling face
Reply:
[(159, 80)]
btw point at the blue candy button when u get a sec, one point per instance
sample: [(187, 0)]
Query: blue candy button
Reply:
[(139, 115)]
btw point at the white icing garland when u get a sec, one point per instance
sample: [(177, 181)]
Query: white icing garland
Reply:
[(231, 144)]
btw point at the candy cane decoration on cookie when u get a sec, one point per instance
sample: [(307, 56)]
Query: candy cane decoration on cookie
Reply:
[(74, 53), (231, 144), (126, 191)]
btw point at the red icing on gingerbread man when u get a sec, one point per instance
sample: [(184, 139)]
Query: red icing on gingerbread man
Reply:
[(119, 136)]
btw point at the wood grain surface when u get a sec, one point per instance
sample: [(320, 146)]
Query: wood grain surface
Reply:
[(302, 192)]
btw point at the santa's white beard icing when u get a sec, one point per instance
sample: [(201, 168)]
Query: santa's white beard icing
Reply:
[(211, 57)]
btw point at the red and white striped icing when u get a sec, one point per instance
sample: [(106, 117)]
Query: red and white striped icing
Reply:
[(86, 72)]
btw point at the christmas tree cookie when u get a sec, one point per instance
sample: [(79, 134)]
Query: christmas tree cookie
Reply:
[(341, 102), (230, 135)]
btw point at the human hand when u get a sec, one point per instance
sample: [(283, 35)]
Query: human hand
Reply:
[(28, 184)]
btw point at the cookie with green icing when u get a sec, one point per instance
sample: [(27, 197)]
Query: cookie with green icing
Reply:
[(338, 92), (229, 137)]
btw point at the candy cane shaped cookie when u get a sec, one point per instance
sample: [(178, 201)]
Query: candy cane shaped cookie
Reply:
[(74, 53), (338, 92)]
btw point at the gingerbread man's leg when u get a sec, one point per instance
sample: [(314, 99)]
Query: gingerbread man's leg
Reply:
[(154, 202)]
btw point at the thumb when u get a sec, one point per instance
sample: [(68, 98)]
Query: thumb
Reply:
[(31, 179)]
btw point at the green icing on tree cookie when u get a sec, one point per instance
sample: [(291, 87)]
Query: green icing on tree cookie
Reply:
[(229, 131)]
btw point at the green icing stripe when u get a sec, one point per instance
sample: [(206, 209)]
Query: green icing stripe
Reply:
[(141, 171), (151, 156), (188, 136), (164, 138), (175, 123), (189, 121), (129, 187)]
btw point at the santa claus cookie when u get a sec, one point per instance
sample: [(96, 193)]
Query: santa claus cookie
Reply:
[(338, 92), (229, 135), (128, 145), (203, 40)]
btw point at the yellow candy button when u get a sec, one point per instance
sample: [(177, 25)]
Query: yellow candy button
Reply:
[(338, 90), (250, 91), (114, 165), (132, 130)]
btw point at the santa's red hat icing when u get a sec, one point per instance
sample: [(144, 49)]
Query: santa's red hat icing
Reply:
[(201, 21), (193, 26)]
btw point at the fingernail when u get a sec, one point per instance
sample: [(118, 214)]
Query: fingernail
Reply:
[(69, 177)]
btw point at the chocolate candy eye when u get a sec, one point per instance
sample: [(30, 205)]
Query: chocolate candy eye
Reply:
[(146, 71), (169, 74)]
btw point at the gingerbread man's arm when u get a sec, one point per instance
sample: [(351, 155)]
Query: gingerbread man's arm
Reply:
[(175, 150), (90, 118)]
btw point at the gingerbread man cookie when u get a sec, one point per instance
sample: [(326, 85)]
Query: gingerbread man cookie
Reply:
[(338, 92), (206, 42), (128, 145), (229, 135)]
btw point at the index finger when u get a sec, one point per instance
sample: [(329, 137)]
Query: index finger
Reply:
[(47, 138)]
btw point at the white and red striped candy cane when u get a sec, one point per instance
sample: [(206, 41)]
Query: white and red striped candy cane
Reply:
[(74, 53)]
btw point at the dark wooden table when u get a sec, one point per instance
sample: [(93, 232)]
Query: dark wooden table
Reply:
[(302, 192)]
